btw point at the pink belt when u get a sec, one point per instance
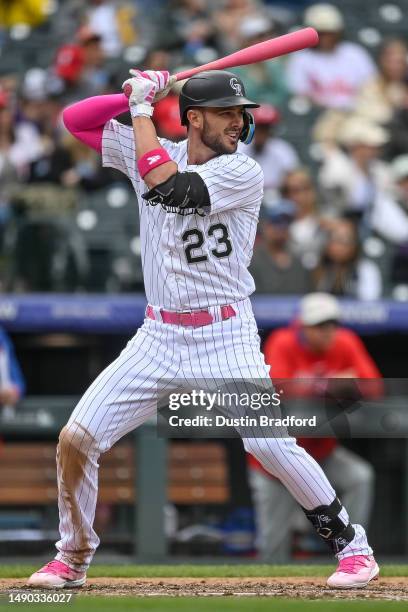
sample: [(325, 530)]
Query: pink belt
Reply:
[(195, 318)]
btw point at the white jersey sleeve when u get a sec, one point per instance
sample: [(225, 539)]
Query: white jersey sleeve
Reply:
[(119, 151), (233, 181), (118, 148)]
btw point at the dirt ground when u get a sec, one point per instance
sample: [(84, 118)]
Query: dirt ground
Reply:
[(300, 588)]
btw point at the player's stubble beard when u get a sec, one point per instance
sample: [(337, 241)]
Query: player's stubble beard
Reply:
[(214, 141)]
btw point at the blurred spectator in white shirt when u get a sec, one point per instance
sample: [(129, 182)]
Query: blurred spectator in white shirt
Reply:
[(264, 81), (331, 74), (382, 95), (306, 235), (275, 156), (352, 172), (114, 23), (358, 183), (20, 142), (342, 270)]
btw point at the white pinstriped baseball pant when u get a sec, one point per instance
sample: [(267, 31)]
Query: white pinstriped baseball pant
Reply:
[(125, 395)]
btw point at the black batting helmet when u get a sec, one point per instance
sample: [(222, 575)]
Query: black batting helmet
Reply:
[(212, 88)]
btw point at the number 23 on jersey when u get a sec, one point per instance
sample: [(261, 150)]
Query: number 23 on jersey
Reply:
[(195, 239)]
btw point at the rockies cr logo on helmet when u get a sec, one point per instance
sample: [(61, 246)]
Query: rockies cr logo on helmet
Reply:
[(237, 87), (213, 88)]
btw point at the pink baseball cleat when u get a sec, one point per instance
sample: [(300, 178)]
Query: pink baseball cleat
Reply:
[(354, 572), (57, 575)]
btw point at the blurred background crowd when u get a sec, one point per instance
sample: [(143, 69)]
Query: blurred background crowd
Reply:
[(331, 137)]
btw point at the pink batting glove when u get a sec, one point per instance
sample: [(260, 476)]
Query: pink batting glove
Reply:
[(161, 78), (141, 92)]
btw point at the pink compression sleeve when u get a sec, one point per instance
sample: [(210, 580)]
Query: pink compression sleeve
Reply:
[(86, 119)]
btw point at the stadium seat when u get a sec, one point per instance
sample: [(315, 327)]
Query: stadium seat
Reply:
[(197, 474), (109, 222)]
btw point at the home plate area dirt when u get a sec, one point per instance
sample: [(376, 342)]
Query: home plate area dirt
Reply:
[(294, 587)]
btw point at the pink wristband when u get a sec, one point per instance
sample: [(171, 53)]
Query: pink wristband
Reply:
[(151, 160)]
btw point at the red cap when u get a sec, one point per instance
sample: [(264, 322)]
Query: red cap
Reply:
[(266, 114), (167, 118), (85, 34), (69, 62)]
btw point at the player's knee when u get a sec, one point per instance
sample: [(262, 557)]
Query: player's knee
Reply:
[(74, 437), (256, 447)]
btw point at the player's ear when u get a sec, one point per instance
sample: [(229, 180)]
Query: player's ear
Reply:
[(195, 117)]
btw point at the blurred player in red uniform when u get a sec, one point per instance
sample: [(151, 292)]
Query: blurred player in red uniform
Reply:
[(313, 347)]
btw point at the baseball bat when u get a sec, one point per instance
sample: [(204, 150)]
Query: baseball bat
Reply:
[(268, 49)]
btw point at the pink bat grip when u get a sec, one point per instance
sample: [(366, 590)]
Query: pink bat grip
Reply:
[(268, 49)]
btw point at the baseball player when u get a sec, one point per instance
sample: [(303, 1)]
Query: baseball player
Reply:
[(198, 202)]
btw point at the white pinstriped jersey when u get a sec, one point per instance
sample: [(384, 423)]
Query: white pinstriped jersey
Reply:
[(190, 261), (194, 260)]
